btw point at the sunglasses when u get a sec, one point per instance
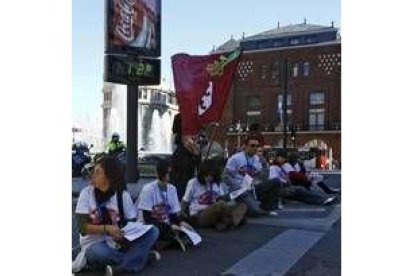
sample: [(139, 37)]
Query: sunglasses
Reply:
[(254, 145)]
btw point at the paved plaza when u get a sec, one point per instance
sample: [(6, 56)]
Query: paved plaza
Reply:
[(301, 240)]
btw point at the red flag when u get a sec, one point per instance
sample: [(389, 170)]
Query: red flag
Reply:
[(202, 85)]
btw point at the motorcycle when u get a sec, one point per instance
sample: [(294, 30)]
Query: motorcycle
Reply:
[(119, 155), (80, 157)]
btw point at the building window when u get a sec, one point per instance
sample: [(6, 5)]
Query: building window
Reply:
[(317, 119), (253, 103), (306, 68), (163, 98), (294, 41), (288, 99), (145, 94), (310, 39), (264, 72), (317, 98), (139, 94), (277, 43), (288, 108), (275, 70), (295, 70), (253, 118), (262, 44)]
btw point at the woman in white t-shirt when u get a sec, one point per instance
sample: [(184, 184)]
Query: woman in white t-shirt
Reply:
[(206, 199), (99, 221)]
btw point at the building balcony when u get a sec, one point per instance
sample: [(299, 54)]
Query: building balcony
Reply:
[(299, 128)]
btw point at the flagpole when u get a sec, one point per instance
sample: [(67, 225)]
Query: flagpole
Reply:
[(210, 142)]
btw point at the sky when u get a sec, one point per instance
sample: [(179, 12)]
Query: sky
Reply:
[(189, 26)]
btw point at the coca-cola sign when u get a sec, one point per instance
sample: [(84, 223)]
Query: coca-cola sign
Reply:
[(133, 27)]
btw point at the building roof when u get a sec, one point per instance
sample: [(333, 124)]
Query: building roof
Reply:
[(278, 32), (229, 45), (290, 30)]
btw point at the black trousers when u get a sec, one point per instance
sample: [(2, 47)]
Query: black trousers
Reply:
[(183, 165)]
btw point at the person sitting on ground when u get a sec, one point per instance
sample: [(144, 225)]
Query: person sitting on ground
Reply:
[(247, 162), (205, 198), (115, 145), (277, 172), (100, 222), (160, 206), (299, 176)]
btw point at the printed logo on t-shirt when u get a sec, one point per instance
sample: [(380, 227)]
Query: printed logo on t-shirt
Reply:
[(160, 212), (208, 198), (96, 220)]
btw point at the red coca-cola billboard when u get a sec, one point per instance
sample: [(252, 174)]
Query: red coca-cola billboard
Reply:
[(133, 27)]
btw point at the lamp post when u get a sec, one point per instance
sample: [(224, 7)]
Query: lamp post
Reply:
[(284, 77), (292, 135), (74, 130)]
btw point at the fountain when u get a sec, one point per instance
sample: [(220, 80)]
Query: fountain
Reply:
[(154, 122)]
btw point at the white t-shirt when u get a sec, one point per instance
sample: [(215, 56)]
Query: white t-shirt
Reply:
[(238, 161), (87, 206), (201, 196), (287, 167), (160, 203), (276, 172)]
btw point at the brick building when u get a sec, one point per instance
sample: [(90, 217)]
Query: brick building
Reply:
[(313, 55)]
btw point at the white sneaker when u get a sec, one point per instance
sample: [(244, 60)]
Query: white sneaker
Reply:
[(108, 270), (328, 200), (272, 213), (154, 255), (180, 242)]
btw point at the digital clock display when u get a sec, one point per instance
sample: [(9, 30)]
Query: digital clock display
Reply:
[(132, 70)]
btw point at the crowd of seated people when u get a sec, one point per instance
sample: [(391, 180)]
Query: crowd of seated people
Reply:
[(206, 195)]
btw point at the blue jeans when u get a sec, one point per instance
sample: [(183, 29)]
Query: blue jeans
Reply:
[(100, 254)]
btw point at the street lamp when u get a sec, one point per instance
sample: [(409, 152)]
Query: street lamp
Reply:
[(74, 130), (284, 78), (292, 135)]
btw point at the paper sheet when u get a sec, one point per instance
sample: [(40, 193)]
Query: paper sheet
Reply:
[(195, 237), (134, 230), (245, 186), (247, 182)]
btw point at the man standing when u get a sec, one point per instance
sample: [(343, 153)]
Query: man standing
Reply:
[(185, 158)]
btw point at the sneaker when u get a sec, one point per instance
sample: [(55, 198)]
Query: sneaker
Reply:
[(272, 213), (180, 242), (238, 214), (280, 204), (154, 256), (111, 270), (328, 201)]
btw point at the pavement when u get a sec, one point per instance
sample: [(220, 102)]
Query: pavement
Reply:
[(301, 240)]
